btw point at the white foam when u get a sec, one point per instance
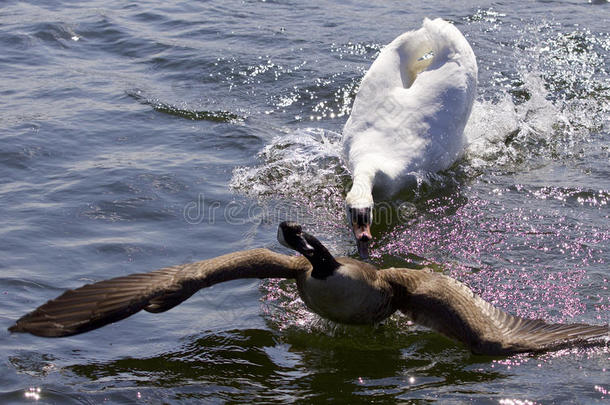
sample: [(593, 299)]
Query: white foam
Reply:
[(304, 162), (504, 132)]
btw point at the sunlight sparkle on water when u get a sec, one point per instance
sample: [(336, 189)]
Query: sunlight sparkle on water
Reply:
[(508, 256), (33, 393), (510, 401)]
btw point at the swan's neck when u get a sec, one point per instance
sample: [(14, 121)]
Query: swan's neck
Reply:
[(323, 263), (361, 193)]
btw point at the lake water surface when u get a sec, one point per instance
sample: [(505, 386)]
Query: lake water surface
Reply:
[(137, 135)]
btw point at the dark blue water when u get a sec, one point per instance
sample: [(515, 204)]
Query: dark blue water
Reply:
[(136, 135)]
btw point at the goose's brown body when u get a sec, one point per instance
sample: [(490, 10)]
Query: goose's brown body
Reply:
[(351, 292)]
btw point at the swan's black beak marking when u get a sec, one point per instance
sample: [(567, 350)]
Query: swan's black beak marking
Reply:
[(363, 248), (360, 219)]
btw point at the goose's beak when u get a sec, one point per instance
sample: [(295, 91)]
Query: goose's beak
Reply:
[(291, 235), (363, 238)]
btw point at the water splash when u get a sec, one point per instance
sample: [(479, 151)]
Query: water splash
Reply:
[(301, 177), (555, 99), (306, 162)]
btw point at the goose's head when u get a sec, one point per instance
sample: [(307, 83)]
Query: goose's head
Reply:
[(291, 235), (359, 210)]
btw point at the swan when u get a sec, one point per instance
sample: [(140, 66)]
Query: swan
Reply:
[(342, 289), (408, 117)]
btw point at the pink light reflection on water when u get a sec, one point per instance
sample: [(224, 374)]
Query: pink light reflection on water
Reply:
[(284, 306), (531, 264)]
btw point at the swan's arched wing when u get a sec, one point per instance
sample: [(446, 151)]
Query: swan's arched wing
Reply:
[(412, 105), (95, 305), (451, 308)]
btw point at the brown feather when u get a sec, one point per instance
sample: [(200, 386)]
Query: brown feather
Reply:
[(451, 308), (95, 305)]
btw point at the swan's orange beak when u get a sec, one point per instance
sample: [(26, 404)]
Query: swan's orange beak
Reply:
[(362, 233)]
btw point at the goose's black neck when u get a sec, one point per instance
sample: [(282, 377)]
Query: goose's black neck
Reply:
[(324, 264)]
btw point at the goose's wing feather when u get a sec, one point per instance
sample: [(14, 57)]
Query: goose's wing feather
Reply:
[(451, 308), (95, 305)]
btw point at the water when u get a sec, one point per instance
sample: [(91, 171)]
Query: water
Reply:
[(135, 136)]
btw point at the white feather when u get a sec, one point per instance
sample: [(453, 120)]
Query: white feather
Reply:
[(409, 114)]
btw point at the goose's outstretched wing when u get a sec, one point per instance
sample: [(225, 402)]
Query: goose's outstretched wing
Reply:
[(95, 305), (451, 308)]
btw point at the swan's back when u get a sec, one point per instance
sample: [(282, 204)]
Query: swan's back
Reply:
[(413, 104)]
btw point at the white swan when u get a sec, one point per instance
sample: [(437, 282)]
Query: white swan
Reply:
[(408, 117)]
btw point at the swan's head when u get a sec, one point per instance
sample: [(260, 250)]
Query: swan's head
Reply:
[(291, 235), (359, 211)]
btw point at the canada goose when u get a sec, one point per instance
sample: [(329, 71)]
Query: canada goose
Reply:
[(408, 117), (341, 289)]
